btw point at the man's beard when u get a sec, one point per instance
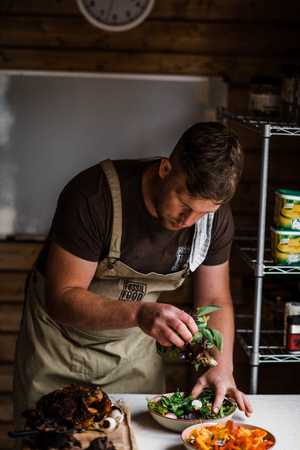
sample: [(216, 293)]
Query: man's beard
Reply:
[(164, 220)]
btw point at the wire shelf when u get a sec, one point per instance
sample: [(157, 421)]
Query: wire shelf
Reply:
[(271, 349), (270, 268), (276, 127)]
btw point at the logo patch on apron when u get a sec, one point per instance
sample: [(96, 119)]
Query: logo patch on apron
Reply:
[(133, 291), (182, 256)]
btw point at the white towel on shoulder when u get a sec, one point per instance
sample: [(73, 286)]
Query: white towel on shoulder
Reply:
[(201, 241)]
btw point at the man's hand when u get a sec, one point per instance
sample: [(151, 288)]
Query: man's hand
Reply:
[(223, 382), (166, 323)]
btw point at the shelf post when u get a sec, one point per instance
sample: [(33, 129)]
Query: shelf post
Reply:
[(259, 269)]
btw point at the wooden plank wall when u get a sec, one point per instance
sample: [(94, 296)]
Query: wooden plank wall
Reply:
[(224, 37), (16, 259)]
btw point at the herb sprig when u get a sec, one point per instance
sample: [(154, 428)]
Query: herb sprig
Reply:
[(199, 351)]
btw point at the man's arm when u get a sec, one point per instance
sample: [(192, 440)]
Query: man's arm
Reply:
[(70, 302), (211, 286)]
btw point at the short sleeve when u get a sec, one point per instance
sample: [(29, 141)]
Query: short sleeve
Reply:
[(81, 223), (221, 238)]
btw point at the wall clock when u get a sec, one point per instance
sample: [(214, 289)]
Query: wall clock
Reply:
[(115, 15)]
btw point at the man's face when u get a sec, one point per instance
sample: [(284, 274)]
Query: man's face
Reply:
[(176, 208)]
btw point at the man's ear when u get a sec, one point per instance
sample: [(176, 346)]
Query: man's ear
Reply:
[(165, 168)]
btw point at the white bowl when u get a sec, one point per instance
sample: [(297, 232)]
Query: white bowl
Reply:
[(180, 424), (187, 431)]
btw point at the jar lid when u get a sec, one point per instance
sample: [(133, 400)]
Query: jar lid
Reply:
[(285, 231), (288, 194)]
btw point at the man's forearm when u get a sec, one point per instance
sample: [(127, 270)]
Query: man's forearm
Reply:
[(84, 309), (223, 321), (211, 286)]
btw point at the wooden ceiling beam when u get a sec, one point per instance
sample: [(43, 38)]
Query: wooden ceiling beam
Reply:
[(129, 62), (152, 36)]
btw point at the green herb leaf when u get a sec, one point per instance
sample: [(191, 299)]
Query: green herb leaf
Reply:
[(204, 310), (217, 339), (207, 333)]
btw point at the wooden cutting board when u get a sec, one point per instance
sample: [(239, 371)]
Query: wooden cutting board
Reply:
[(122, 438)]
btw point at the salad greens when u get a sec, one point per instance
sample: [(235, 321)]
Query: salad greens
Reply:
[(199, 351), (182, 406)]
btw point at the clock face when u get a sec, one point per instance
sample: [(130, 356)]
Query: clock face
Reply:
[(115, 15)]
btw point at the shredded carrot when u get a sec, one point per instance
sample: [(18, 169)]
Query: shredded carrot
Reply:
[(229, 436)]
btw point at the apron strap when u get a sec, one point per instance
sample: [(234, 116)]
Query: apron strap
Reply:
[(114, 184)]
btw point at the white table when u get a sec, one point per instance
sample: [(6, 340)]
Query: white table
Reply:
[(280, 414)]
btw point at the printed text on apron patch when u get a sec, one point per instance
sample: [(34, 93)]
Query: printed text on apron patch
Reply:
[(133, 291)]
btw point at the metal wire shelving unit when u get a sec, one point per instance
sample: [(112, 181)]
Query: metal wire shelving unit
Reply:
[(269, 268), (263, 346)]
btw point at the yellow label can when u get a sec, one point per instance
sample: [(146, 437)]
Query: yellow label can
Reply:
[(285, 246), (287, 209)]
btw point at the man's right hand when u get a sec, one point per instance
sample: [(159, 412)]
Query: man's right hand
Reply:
[(166, 323)]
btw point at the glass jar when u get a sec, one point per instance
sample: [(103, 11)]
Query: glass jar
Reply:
[(293, 334), (264, 97)]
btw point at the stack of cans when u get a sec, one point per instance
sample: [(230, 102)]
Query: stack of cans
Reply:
[(285, 235)]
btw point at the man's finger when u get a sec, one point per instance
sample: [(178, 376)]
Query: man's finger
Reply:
[(198, 388), (219, 397), (242, 401), (238, 397), (163, 341), (248, 406), (189, 321), (172, 337), (182, 330)]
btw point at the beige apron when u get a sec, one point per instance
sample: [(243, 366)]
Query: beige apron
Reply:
[(50, 355)]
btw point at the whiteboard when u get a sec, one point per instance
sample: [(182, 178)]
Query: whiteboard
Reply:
[(52, 127)]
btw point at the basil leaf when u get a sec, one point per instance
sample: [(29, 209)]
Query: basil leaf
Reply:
[(217, 339), (204, 310)]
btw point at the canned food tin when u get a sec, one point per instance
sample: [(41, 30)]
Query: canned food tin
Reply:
[(285, 246), (287, 209)]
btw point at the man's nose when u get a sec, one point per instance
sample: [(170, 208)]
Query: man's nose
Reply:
[(191, 218)]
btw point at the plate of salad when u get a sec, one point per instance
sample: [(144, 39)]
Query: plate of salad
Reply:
[(178, 410)]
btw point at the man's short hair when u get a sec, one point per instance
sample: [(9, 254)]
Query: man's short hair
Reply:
[(210, 156)]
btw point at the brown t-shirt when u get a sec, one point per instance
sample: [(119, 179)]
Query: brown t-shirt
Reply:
[(82, 224)]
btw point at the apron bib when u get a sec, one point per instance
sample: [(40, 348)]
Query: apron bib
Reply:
[(50, 355)]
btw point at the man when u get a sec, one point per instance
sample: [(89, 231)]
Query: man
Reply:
[(124, 232)]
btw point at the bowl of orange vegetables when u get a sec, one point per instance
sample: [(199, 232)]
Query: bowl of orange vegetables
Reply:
[(227, 436)]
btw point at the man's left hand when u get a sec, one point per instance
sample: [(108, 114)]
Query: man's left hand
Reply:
[(223, 382)]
